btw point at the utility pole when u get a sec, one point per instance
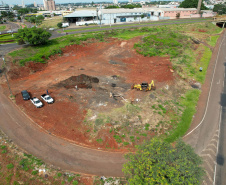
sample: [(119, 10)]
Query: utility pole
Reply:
[(199, 6)]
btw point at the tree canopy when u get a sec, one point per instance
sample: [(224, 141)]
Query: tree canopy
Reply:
[(192, 4), (158, 162), (34, 36), (219, 8)]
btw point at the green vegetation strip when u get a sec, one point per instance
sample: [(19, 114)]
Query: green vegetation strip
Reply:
[(2, 28), (189, 101), (7, 38)]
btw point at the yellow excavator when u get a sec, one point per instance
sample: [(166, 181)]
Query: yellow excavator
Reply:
[(144, 86)]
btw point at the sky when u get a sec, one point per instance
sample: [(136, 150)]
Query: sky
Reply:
[(19, 2)]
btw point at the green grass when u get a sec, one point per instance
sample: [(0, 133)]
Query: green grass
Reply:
[(7, 37), (189, 102), (212, 40), (126, 25), (2, 28), (204, 63)]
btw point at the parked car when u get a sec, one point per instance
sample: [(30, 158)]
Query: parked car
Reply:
[(9, 31), (37, 102), (47, 98), (25, 95)]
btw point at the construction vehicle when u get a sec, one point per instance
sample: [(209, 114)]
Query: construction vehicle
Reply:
[(144, 86)]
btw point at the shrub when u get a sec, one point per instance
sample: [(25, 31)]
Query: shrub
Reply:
[(10, 166)]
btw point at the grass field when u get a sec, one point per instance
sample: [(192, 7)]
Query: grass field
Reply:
[(7, 38), (2, 28), (51, 22)]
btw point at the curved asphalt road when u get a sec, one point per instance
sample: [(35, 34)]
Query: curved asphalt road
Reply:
[(78, 159), (53, 150)]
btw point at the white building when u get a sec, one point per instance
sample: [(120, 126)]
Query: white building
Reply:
[(115, 1)]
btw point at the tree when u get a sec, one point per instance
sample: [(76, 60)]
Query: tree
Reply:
[(219, 8), (34, 36), (158, 162), (59, 25), (192, 4)]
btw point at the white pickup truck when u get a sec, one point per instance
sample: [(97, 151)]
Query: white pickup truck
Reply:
[(36, 102), (47, 98)]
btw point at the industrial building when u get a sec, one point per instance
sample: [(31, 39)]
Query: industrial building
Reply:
[(111, 16)]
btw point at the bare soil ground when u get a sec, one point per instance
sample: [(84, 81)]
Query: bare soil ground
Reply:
[(98, 69)]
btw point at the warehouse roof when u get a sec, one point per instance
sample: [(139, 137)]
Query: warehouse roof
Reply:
[(82, 13)]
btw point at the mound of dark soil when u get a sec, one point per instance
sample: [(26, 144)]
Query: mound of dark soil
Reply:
[(81, 81)]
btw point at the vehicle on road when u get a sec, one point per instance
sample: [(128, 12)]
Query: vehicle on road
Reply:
[(37, 102), (9, 31), (25, 95), (47, 98)]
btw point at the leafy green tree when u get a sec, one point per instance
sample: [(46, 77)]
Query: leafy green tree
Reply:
[(34, 36), (158, 162), (111, 7), (219, 8), (40, 17), (59, 25), (192, 4)]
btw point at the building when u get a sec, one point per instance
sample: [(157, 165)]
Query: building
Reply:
[(23, 5), (35, 4), (4, 7), (49, 5), (115, 1), (111, 16)]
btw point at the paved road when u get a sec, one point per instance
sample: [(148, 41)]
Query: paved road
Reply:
[(53, 150), (205, 138), (71, 157), (221, 155)]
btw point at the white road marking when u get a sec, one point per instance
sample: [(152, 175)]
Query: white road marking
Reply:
[(219, 127), (219, 82), (209, 165)]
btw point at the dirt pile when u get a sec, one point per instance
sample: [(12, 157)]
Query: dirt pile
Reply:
[(81, 81)]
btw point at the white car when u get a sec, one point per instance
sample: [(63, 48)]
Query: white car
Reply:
[(47, 98), (36, 102)]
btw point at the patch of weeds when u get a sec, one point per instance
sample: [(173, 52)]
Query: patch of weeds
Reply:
[(99, 140), (59, 174), (10, 166), (3, 147), (9, 178), (125, 143), (132, 138), (35, 172), (88, 130), (138, 138), (110, 131), (99, 121), (147, 126), (63, 182), (4, 151), (75, 182), (123, 136), (16, 183), (70, 178), (189, 101), (143, 134), (117, 138), (162, 108)]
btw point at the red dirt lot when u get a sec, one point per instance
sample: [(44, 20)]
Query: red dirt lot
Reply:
[(112, 62)]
